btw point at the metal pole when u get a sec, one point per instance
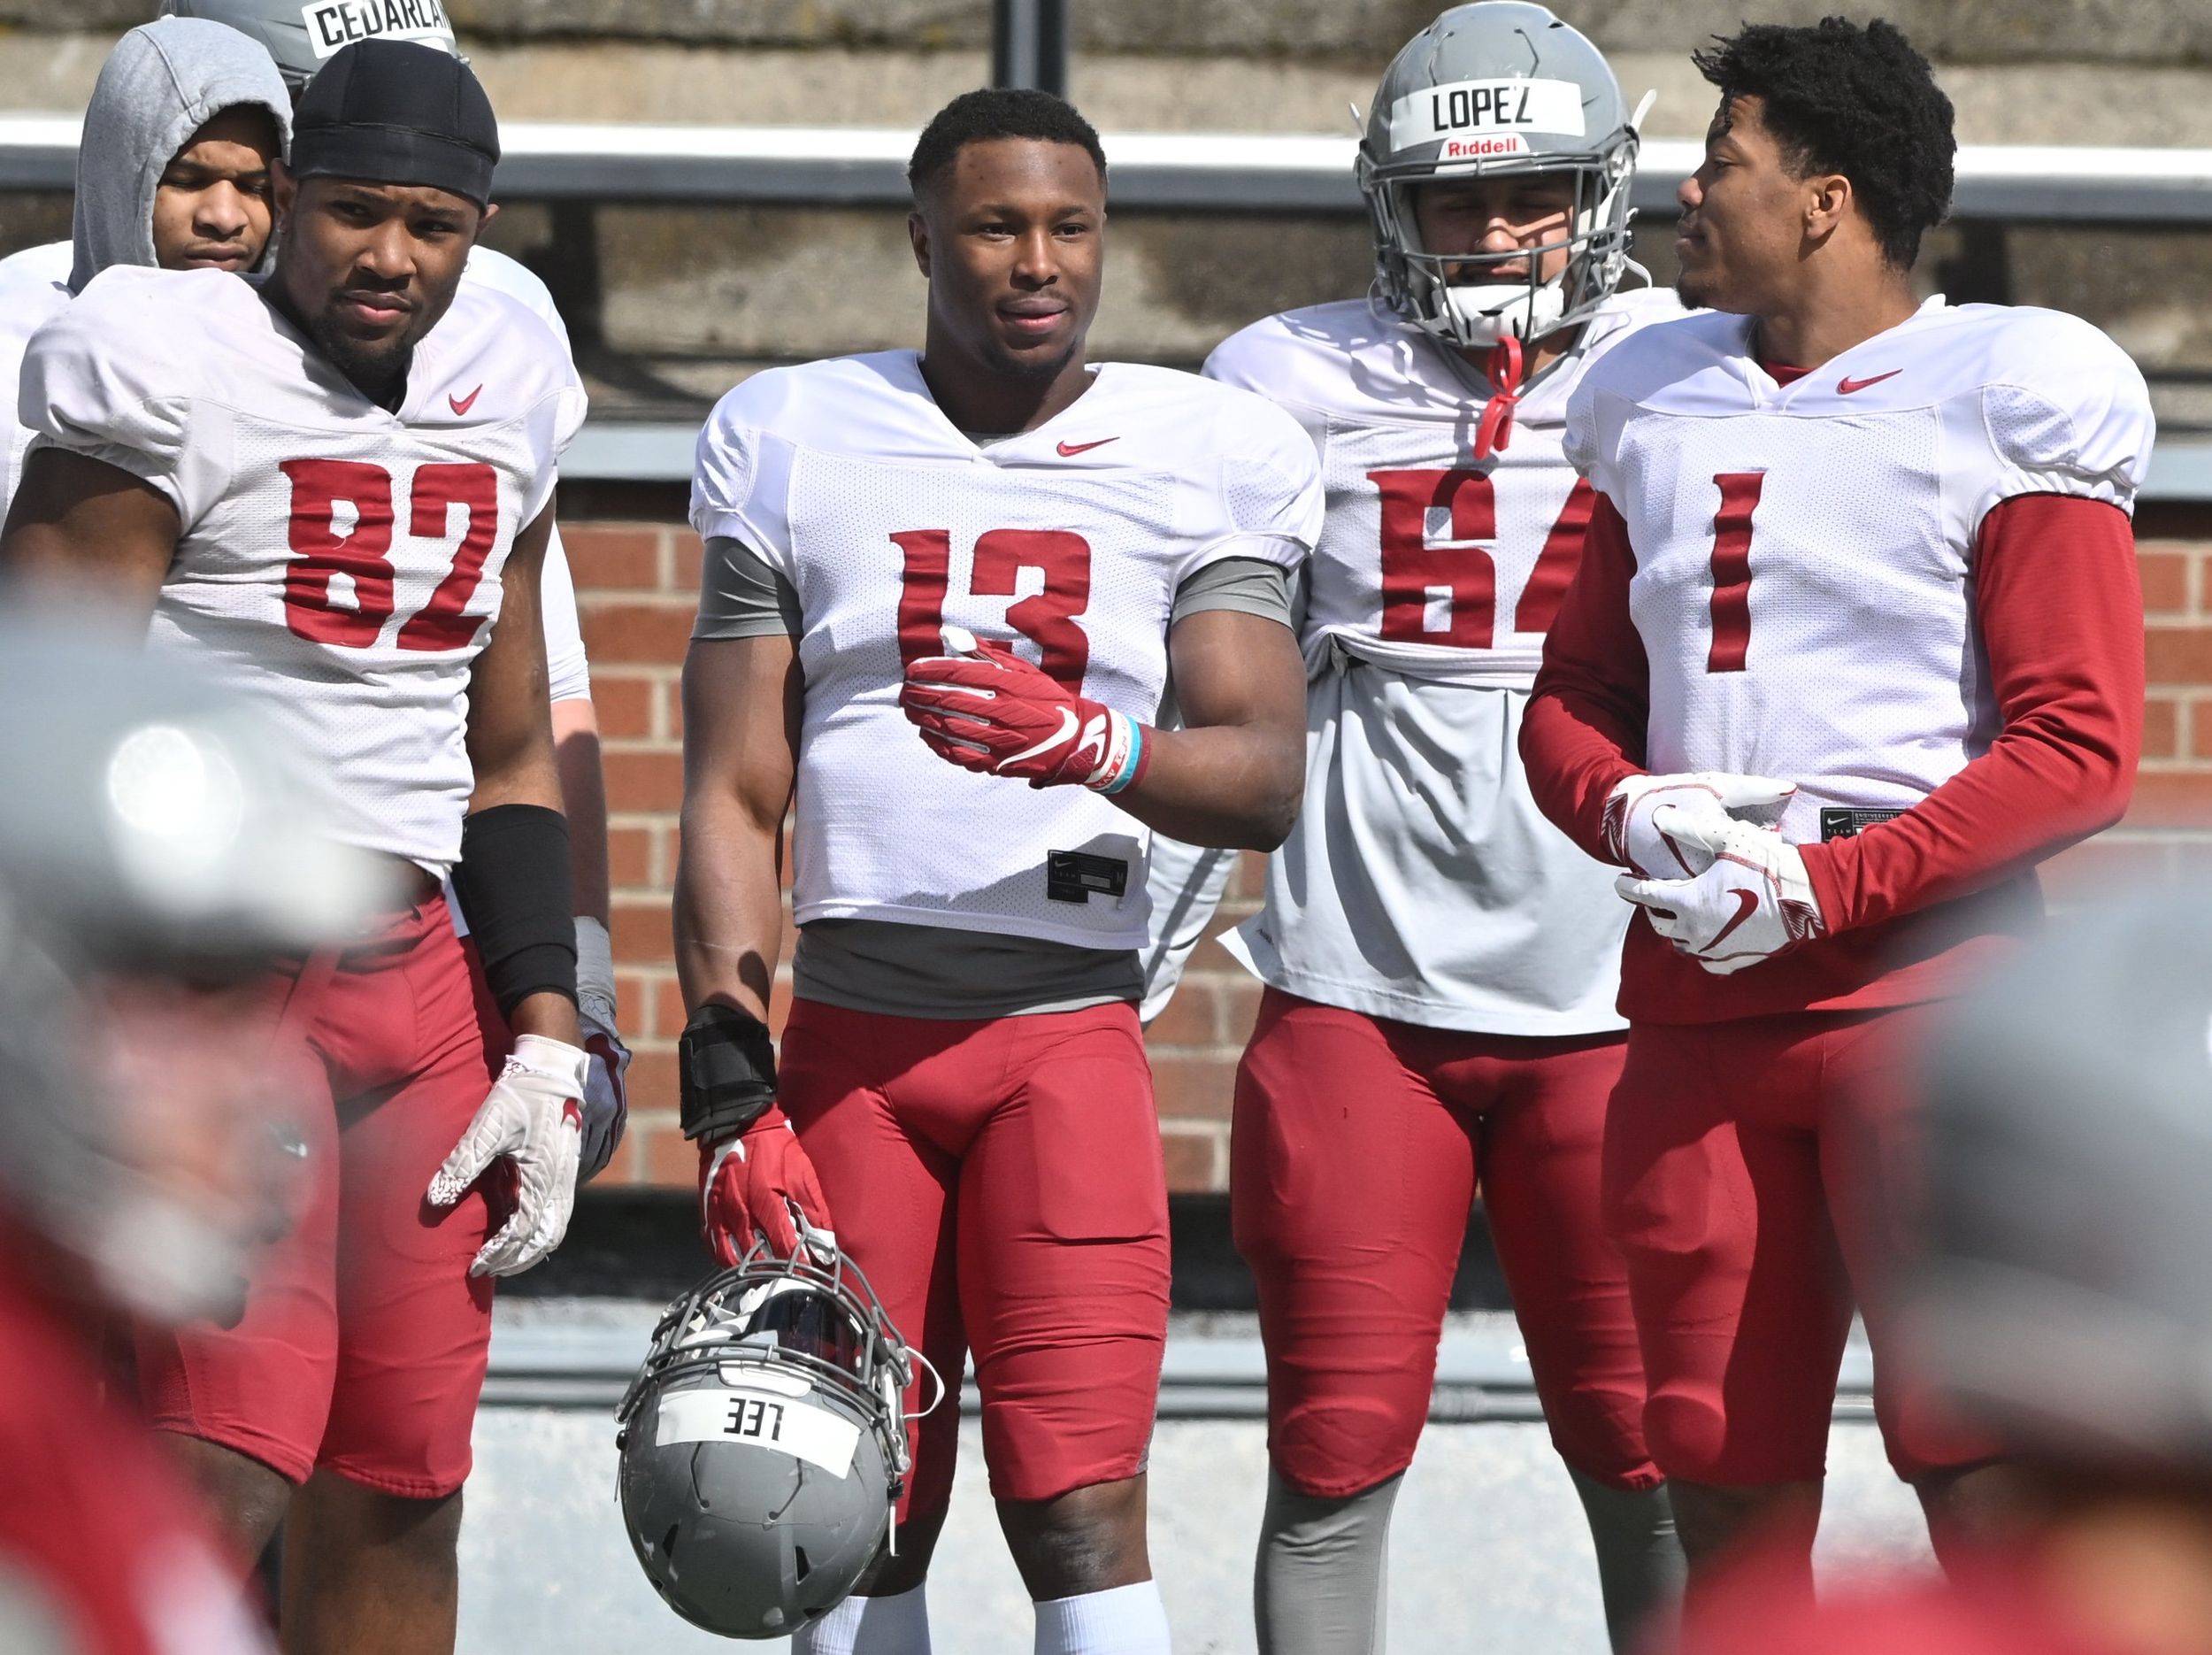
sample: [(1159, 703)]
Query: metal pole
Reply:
[(1029, 44)]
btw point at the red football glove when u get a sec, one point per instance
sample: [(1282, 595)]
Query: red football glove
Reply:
[(983, 708), (744, 1182)]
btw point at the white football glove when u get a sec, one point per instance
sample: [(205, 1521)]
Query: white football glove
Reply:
[(1711, 798), (1752, 901), (534, 1117), (606, 1094)]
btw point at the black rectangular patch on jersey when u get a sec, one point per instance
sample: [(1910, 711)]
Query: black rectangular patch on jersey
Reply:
[(1841, 821), (1072, 875)]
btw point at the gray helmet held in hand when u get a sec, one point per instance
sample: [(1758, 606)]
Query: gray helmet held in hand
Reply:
[(1499, 88), (764, 1443), (300, 34)]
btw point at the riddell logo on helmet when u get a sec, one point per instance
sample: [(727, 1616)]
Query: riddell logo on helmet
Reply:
[(1475, 149)]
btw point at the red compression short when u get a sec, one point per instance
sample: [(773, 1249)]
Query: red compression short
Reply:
[(1000, 1183), (1753, 1171), (363, 1344), (1355, 1155)]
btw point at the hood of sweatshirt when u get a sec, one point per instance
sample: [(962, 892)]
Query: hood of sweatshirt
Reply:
[(163, 83)]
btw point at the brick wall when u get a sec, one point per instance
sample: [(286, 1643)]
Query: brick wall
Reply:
[(636, 582)]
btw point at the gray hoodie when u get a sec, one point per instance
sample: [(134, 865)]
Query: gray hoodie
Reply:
[(163, 83)]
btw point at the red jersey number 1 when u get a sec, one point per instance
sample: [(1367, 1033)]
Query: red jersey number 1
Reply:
[(1732, 569)]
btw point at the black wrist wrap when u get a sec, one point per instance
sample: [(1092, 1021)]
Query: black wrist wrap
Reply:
[(513, 884), (726, 1068)]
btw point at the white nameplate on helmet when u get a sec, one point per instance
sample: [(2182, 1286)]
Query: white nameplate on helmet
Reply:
[(762, 1418), (334, 25), (1487, 116)]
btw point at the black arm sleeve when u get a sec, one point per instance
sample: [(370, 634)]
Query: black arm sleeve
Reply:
[(513, 884)]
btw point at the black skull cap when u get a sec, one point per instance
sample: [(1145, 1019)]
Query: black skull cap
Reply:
[(390, 111)]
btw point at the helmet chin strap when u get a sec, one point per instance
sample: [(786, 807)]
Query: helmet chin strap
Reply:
[(1503, 368)]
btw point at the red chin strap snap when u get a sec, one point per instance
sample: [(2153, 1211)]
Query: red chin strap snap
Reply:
[(1495, 428)]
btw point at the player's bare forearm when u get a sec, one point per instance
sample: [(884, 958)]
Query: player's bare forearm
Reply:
[(510, 718), (88, 540), (584, 801), (1233, 775), (740, 700), (510, 737)]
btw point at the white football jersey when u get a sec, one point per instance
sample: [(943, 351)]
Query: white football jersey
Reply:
[(336, 561), (1848, 664), (1430, 562), (1420, 882), (35, 285), (567, 671), (1069, 541), (25, 306)]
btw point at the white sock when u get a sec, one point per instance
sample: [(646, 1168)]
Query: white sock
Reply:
[(898, 1625), (1123, 1620)]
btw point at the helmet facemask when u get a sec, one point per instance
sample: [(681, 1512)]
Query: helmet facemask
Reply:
[(1446, 295), (812, 1314), (764, 1443)]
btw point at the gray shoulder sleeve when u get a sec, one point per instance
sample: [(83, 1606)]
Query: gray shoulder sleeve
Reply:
[(741, 596), (1249, 586)]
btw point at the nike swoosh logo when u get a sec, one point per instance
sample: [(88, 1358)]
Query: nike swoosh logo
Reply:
[(1068, 723), (1093, 742), (462, 404), (1746, 901), (1069, 451), (1846, 384)]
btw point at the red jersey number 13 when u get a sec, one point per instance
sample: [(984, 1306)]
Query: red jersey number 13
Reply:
[(1046, 618)]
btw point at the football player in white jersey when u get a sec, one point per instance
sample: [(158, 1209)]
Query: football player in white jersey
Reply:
[(329, 486), (1441, 961), (189, 116), (211, 208), (144, 1129), (980, 558), (1880, 551)]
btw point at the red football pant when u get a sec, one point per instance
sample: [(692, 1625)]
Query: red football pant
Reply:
[(1753, 1171), (999, 1182), (1354, 1157), (363, 1345)]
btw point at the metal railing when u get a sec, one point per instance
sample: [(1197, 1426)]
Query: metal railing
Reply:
[(1162, 172), (585, 1360), (660, 451), (1210, 172)]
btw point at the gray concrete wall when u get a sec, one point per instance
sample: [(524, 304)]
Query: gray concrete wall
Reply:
[(1489, 1552), (1962, 31), (2128, 72), (692, 297)]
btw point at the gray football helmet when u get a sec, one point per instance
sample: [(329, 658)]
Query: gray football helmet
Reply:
[(1500, 87), (300, 35), (2058, 1287), (764, 1443), (154, 833)]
